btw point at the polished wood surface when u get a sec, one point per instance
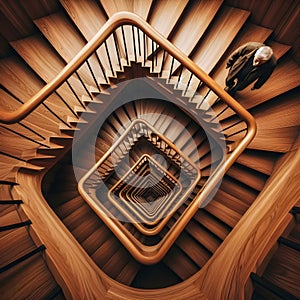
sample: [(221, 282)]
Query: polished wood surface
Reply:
[(252, 229)]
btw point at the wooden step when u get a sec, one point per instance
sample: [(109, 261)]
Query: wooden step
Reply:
[(192, 248), (183, 267), (240, 191), (223, 213), (15, 244), (203, 237), (45, 117), (249, 177), (6, 209), (195, 20), (231, 202), (142, 9), (106, 251), (283, 271), (260, 161), (279, 140), (96, 239), (128, 272), (47, 64), (42, 160), (64, 37), (9, 215), (117, 262), (78, 10), (33, 279), (214, 225), (68, 206), (165, 15)]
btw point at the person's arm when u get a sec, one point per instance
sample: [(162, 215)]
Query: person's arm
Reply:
[(242, 50)]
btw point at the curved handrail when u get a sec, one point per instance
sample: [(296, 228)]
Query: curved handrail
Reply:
[(118, 19), (127, 18)]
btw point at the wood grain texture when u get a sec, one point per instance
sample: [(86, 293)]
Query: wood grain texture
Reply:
[(75, 267), (165, 15), (81, 11), (265, 215), (215, 42)]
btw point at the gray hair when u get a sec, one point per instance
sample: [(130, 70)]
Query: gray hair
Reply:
[(264, 53)]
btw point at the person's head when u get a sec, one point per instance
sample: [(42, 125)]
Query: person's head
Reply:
[(262, 55)]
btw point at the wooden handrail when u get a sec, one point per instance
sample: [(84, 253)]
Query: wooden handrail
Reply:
[(143, 253), (118, 19), (127, 18)]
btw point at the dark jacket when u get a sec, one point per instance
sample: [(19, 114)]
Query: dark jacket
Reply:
[(241, 56)]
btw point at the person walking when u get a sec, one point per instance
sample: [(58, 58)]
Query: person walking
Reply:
[(250, 62)]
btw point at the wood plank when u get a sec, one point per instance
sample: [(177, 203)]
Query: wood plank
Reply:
[(47, 64), (279, 140), (114, 6), (261, 161), (128, 273), (184, 267), (282, 270), (279, 49), (13, 144), (192, 247), (18, 237), (223, 213), (166, 14), (249, 177), (194, 23), (21, 81), (142, 8), (32, 279), (234, 188), (229, 20), (231, 202), (138, 7), (64, 37), (87, 15), (283, 111), (38, 9), (212, 224), (15, 23)]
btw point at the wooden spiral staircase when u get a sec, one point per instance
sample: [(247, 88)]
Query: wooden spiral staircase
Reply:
[(244, 244)]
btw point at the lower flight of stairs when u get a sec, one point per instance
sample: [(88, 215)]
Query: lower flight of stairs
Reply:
[(24, 273), (281, 275)]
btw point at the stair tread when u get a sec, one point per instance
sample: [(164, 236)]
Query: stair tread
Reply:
[(224, 22), (260, 161), (184, 267), (247, 176), (36, 52), (223, 213), (194, 24), (212, 224), (78, 10), (192, 248), (128, 273), (64, 37), (166, 14), (32, 277), (15, 244)]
